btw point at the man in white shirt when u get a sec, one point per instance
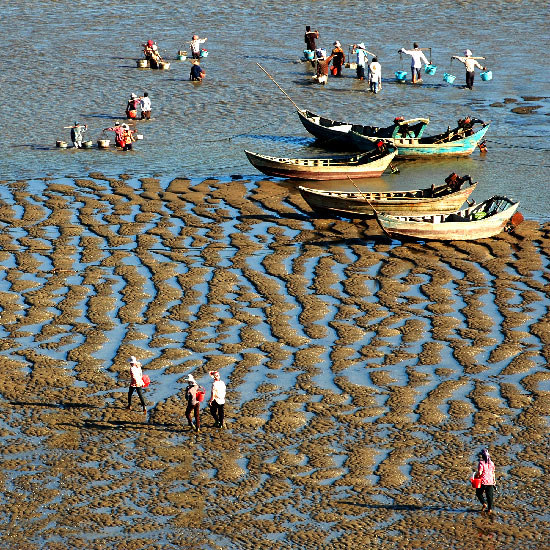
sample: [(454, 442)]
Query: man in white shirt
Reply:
[(217, 399), (470, 64), (417, 57), (145, 105)]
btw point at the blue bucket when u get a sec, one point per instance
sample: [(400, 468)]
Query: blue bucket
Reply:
[(308, 54), (400, 75), (204, 53), (450, 78), (487, 75), (430, 69)]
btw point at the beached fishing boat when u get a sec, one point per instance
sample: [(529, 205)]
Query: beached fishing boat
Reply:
[(365, 165), (406, 135), (333, 134), (442, 199), (479, 221)]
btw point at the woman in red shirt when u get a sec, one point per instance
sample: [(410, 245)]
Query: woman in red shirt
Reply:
[(486, 471)]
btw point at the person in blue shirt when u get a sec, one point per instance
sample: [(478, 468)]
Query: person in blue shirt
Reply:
[(196, 71)]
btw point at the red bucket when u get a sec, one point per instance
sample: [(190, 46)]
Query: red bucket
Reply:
[(334, 71), (200, 394), (476, 482), (146, 380)]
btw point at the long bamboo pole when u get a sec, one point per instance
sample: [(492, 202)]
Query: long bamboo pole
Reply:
[(287, 96)]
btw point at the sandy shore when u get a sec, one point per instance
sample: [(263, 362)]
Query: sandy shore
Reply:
[(363, 375)]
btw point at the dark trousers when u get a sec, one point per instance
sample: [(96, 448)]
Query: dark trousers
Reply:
[(470, 79), (140, 395), (360, 72), (216, 410), (196, 409), (488, 490), (127, 147)]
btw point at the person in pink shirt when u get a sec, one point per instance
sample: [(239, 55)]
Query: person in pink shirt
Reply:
[(486, 471), (136, 383)]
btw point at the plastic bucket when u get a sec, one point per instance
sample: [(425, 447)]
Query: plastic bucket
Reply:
[(87, 144), (61, 144), (450, 78), (204, 53), (400, 75), (200, 394), (430, 69), (476, 482), (146, 380), (142, 63), (308, 54), (103, 143), (487, 75), (164, 65), (333, 71), (182, 57)]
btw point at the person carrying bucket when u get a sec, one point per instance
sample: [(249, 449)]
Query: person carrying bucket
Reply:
[(77, 132), (471, 63), (136, 383), (485, 472), (132, 106), (119, 133), (217, 399), (417, 58), (322, 66), (193, 403), (196, 46), (362, 59)]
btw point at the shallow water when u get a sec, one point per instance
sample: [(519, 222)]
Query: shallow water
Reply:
[(363, 374)]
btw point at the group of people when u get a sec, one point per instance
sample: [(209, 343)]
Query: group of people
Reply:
[(373, 71), (135, 102), (194, 396)]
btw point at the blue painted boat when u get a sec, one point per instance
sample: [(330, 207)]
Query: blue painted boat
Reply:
[(335, 135), (459, 141)]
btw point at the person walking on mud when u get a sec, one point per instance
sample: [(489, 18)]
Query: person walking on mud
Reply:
[(486, 471), (136, 383), (193, 404), (217, 399)]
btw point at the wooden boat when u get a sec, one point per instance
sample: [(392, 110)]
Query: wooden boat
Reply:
[(333, 134), (442, 199), (365, 165), (460, 141), (480, 221), (406, 135)]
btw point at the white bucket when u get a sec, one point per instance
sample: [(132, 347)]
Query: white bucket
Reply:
[(142, 63), (139, 136), (61, 144), (103, 143)]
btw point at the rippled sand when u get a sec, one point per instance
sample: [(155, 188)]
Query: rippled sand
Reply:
[(363, 375)]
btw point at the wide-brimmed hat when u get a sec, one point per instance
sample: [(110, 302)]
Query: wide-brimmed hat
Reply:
[(133, 360), (361, 45), (468, 53), (214, 374), (190, 378)]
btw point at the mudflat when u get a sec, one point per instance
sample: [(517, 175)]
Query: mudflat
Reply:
[(363, 375)]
